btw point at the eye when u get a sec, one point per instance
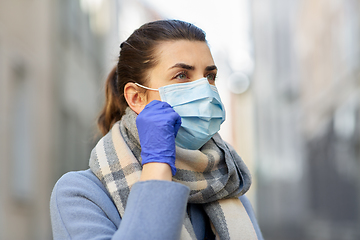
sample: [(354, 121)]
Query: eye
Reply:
[(211, 77), (181, 76)]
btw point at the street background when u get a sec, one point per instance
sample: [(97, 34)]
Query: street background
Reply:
[(289, 76)]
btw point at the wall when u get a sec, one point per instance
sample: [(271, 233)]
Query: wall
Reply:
[(52, 67), (306, 92)]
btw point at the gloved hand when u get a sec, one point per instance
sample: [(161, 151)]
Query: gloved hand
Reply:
[(158, 125)]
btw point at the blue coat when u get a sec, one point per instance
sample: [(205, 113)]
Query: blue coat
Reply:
[(81, 208)]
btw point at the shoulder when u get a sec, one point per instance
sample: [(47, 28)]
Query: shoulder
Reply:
[(250, 211), (76, 187), (79, 200), (79, 181), (80, 185)]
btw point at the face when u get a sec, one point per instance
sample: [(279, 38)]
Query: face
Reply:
[(179, 62)]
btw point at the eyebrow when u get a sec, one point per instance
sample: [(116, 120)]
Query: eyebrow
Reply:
[(210, 68), (183, 65), (189, 67)]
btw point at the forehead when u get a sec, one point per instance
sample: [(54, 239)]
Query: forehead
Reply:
[(185, 51)]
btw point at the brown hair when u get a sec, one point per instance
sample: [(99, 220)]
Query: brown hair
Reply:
[(135, 59)]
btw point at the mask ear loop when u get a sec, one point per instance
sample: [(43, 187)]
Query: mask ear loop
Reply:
[(153, 89)]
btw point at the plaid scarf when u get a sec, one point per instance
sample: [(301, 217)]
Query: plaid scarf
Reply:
[(215, 174)]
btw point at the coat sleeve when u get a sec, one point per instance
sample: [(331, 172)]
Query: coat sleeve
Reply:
[(82, 209)]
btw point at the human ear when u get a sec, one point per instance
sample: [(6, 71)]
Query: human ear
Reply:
[(135, 97)]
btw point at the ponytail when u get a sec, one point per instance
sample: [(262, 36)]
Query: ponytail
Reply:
[(113, 109)]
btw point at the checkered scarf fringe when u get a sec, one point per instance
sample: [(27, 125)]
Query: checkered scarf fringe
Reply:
[(215, 174)]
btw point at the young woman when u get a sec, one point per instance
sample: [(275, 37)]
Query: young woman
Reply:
[(161, 171)]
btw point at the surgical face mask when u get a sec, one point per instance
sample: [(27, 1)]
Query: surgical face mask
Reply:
[(199, 105)]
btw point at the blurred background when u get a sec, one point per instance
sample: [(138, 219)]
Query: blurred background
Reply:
[(289, 75)]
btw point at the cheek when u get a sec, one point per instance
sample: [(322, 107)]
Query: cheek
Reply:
[(152, 95)]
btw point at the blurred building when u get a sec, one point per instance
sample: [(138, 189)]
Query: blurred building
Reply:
[(53, 60), (306, 90)]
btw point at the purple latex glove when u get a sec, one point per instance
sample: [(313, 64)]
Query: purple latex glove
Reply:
[(158, 125)]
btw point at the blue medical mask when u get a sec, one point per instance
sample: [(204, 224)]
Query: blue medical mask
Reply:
[(199, 105)]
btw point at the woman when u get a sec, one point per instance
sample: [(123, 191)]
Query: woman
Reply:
[(161, 171)]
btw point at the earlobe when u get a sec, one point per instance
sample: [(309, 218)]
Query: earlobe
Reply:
[(135, 98)]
